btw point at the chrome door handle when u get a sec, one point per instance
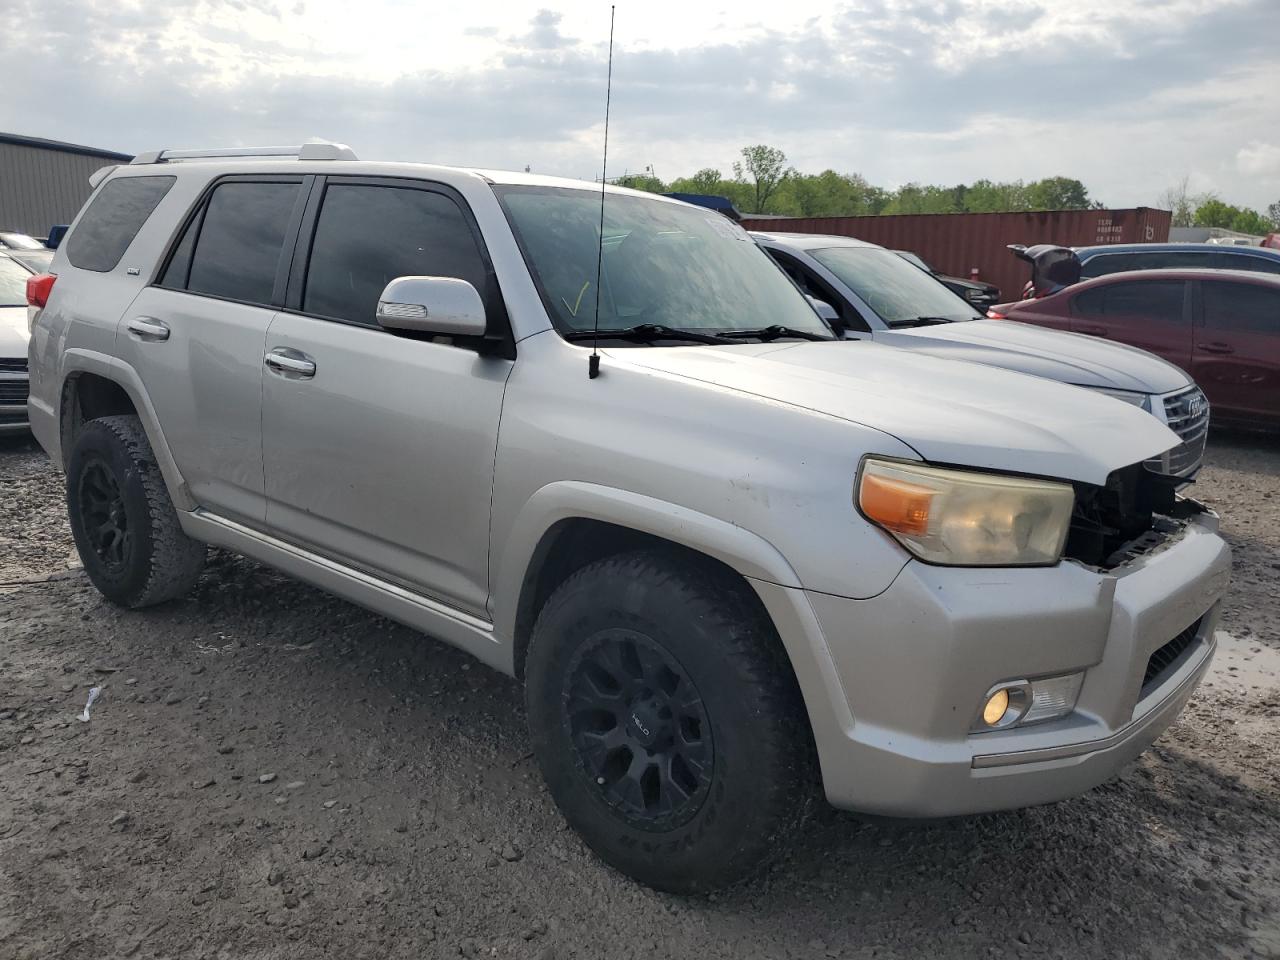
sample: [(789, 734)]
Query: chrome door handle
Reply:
[(290, 363), (1217, 348), (148, 328), (1092, 330)]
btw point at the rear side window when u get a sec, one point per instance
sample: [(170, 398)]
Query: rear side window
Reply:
[(231, 249), (1150, 299), (366, 236), (113, 219), (1241, 307)]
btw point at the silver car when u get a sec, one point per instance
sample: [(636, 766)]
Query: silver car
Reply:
[(873, 293), (13, 344), (729, 557)]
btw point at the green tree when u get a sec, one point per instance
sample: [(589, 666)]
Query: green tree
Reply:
[(1058, 193), (1273, 214), (705, 180), (766, 168), (641, 181), (1212, 212), (1252, 222)]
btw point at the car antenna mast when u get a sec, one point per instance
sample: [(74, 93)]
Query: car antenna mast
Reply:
[(593, 362)]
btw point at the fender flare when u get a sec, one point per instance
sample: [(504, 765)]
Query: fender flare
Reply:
[(78, 360), (738, 548)]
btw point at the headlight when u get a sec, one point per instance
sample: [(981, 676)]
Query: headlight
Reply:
[(966, 519), (973, 293), (1128, 396)]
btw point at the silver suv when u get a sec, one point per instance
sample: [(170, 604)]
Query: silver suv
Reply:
[(731, 558)]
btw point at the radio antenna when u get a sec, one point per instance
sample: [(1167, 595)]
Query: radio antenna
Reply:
[(593, 362)]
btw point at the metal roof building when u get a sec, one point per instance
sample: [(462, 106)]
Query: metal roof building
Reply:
[(45, 182)]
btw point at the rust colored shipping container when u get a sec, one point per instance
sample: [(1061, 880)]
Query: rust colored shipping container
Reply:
[(956, 243)]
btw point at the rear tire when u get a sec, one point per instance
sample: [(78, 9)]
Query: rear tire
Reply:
[(667, 721), (125, 526)]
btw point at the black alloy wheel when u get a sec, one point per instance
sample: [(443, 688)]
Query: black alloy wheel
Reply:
[(640, 729), (106, 521)]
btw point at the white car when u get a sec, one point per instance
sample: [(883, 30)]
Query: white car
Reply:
[(13, 345), (874, 294)]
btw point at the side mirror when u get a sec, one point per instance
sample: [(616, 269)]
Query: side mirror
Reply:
[(440, 305), (828, 313)]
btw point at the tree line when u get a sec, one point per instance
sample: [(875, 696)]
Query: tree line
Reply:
[(762, 182), (1209, 210)]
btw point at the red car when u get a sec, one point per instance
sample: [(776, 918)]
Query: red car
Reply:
[(1221, 326)]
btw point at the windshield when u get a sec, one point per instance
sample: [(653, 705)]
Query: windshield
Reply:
[(20, 241), (898, 292), (13, 284), (664, 263)]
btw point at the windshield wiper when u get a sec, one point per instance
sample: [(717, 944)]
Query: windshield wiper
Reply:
[(920, 321), (776, 332), (647, 333)]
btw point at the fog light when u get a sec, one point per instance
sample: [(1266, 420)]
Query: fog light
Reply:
[(996, 707)]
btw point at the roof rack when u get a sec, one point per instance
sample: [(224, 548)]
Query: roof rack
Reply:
[(303, 151)]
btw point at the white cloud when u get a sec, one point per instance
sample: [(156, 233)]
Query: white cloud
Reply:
[(1128, 95), (1259, 160)]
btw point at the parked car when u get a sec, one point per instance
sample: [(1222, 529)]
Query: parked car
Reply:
[(1221, 326), (35, 261), (13, 345), (877, 296), (1121, 257), (979, 293), (725, 553), (16, 240)]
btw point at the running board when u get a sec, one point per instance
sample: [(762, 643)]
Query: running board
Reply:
[(430, 616)]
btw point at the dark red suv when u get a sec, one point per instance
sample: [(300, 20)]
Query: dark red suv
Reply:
[(1221, 326)]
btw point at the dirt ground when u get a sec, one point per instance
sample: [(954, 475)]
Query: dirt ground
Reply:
[(273, 773)]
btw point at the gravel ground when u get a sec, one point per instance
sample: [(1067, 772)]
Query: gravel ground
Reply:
[(270, 772)]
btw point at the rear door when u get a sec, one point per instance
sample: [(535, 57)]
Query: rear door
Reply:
[(379, 447), (1237, 348), (196, 335), (1152, 314)]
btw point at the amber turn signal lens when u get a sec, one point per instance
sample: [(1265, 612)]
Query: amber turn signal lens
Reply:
[(896, 504), (996, 707)]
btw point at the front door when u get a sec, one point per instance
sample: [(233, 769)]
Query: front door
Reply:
[(1152, 314), (378, 448), (196, 338), (1237, 354)]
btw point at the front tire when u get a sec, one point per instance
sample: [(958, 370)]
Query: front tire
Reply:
[(125, 526), (667, 722)]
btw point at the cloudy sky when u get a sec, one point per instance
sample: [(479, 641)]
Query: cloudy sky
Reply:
[(1127, 95)]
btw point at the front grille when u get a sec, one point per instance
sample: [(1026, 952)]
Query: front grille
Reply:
[(1164, 660), (1187, 414), (6, 418), (11, 364), (13, 391), (1105, 520)]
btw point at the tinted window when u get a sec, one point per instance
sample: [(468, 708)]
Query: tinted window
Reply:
[(13, 284), (366, 236), (1156, 299), (113, 219), (1256, 264), (241, 236), (1241, 306)]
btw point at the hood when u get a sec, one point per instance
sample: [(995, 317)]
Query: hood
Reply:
[(950, 413), (13, 332), (1052, 354)]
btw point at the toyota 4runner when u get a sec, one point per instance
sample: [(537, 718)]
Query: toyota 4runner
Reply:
[(729, 558)]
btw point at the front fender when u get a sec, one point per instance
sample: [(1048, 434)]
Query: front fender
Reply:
[(740, 549)]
